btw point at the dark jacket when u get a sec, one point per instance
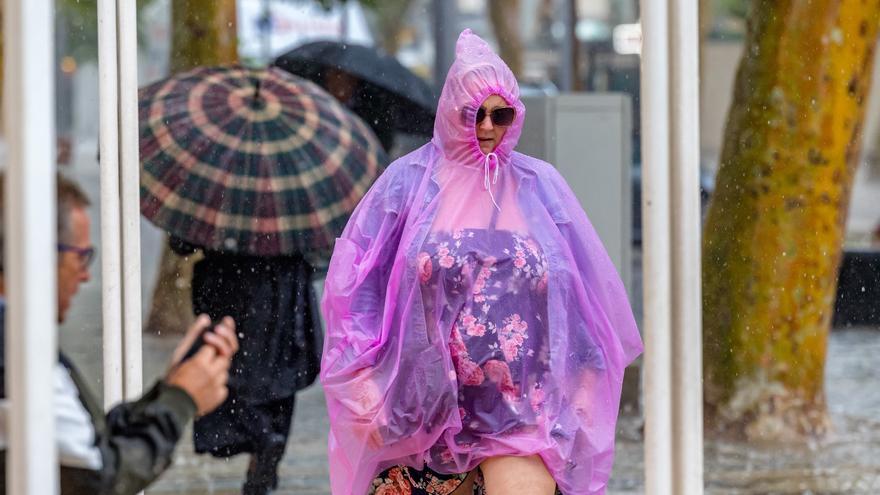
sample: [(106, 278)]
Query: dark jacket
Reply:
[(272, 302), (118, 453)]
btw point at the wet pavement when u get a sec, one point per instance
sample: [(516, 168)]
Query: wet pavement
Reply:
[(303, 469)]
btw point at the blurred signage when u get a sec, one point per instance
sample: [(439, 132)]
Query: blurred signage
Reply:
[(267, 29), (471, 6), (627, 39)]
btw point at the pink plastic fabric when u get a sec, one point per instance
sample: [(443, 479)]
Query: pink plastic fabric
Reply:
[(472, 310)]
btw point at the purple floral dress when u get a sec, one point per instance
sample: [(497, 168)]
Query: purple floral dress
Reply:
[(495, 285)]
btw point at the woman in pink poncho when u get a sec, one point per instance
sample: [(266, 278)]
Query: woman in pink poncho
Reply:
[(473, 317)]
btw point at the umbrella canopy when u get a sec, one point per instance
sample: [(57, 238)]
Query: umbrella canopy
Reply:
[(408, 101), (252, 161)]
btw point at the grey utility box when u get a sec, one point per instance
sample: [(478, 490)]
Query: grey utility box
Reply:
[(587, 137)]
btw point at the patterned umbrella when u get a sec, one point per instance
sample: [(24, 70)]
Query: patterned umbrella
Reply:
[(254, 162)]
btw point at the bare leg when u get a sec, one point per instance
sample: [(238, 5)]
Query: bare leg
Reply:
[(467, 486), (521, 475)]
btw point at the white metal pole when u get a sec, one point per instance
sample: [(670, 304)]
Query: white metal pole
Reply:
[(30, 238), (656, 245), (130, 199), (111, 257), (687, 384)]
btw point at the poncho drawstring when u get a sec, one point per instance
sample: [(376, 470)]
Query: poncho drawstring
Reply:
[(486, 166)]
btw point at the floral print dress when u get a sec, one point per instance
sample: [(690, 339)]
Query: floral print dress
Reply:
[(404, 480), (495, 285)]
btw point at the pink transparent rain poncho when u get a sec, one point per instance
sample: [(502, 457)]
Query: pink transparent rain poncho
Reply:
[(471, 309)]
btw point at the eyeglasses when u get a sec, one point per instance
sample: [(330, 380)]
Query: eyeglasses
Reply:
[(501, 117), (86, 255)]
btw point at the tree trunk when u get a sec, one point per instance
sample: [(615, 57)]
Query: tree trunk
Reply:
[(203, 33), (707, 18), (504, 16), (775, 228)]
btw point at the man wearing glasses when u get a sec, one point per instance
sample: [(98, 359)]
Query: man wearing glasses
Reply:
[(125, 450)]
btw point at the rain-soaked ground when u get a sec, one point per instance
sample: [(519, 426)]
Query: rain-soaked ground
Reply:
[(847, 462)]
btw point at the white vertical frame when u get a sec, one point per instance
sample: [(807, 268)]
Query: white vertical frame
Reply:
[(656, 245), (30, 237), (671, 217), (687, 345), (129, 163), (111, 220), (120, 213)]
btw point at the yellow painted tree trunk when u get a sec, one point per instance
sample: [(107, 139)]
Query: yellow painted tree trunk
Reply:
[(203, 33), (775, 228)]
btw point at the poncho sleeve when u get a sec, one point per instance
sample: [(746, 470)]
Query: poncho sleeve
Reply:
[(355, 292), (599, 277)]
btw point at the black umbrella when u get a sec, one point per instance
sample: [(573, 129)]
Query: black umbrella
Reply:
[(389, 95)]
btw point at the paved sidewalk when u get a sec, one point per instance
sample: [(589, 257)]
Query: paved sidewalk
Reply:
[(303, 469)]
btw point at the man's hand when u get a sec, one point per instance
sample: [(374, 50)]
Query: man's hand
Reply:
[(223, 338), (204, 376)]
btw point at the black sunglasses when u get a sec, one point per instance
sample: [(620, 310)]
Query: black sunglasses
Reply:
[(502, 117), (86, 255)]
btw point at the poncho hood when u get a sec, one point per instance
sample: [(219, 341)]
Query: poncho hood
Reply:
[(476, 74)]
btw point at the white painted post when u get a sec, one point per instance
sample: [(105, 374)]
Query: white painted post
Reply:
[(120, 211), (687, 372), (130, 198), (30, 246), (656, 245), (111, 252), (671, 205)]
